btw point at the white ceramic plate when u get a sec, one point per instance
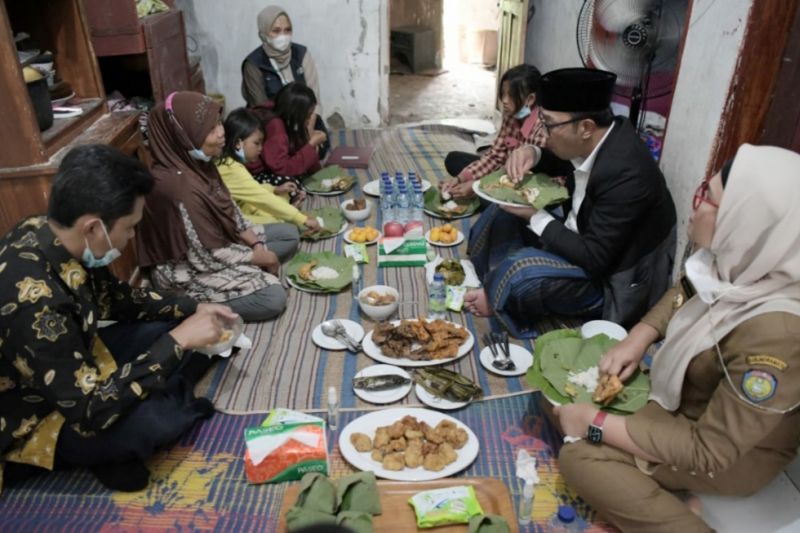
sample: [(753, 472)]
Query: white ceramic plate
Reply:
[(373, 188), (354, 329), (374, 351), (386, 396), (596, 327), (434, 214), (459, 240), (368, 243), (370, 422), (476, 186), (522, 359), (434, 401)]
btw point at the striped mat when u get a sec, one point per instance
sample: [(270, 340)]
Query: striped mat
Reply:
[(200, 483), (285, 368)]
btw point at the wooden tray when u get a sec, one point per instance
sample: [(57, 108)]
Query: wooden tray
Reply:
[(398, 515)]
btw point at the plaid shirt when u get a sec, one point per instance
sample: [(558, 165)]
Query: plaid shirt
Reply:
[(513, 134)]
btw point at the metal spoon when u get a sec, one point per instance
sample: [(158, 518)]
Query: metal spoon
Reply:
[(355, 344), (503, 362), (329, 329)]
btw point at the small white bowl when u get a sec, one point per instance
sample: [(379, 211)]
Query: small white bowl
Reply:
[(219, 348), (596, 327), (379, 312), (357, 215)]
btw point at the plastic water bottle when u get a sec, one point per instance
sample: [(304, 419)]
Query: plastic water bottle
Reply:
[(412, 177), (384, 179), (417, 202), (403, 207), (437, 297), (399, 179), (387, 204), (565, 520)]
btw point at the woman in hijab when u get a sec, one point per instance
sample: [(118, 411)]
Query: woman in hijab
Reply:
[(278, 62), (722, 416), (192, 237)]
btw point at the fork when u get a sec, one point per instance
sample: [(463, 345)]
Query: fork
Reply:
[(356, 345), (506, 363)]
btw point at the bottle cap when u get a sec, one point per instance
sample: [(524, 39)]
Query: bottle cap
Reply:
[(566, 513), (438, 277)]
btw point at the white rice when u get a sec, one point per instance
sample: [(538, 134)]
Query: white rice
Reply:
[(321, 222), (329, 183), (449, 206), (587, 379), (323, 272)]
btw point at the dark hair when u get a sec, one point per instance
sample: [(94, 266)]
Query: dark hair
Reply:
[(97, 179), (240, 124), (602, 118), (522, 80), (725, 171), (293, 104)]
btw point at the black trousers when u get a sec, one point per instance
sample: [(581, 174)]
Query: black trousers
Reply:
[(155, 423), (455, 162)]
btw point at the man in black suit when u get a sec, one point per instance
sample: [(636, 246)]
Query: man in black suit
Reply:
[(613, 252)]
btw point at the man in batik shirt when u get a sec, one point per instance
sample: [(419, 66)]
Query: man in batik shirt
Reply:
[(72, 394)]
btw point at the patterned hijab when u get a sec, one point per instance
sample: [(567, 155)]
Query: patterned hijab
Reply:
[(266, 19), (177, 126), (752, 266)]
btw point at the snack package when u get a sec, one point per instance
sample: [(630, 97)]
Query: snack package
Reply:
[(440, 507), (357, 252), (285, 447), (455, 297)]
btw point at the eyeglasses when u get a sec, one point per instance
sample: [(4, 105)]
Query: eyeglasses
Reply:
[(701, 195), (549, 127)]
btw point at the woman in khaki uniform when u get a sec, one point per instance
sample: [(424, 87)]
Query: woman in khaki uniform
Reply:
[(723, 414)]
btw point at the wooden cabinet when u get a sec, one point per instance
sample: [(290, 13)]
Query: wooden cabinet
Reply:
[(132, 47), (29, 158)]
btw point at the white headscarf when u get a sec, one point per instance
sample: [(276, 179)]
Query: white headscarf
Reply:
[(266, 18), (751, 268)]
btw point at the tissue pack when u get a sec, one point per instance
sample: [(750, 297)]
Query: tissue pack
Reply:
[(285, 447), (412, 252)]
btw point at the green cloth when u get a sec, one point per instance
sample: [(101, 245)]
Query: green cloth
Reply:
[(488, 523), (317, 493), (297, 518), (359, 492), (357, 521)]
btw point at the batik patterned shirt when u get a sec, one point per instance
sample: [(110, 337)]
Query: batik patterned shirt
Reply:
[(54, 369)]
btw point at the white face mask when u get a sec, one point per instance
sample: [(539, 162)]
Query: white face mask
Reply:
[(91, 261), (199, 155), (280, 42), (701, 271)]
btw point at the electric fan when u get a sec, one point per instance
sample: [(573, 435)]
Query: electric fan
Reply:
[(638, 40)]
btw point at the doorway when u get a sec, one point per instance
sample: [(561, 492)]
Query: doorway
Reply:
[(443, 56)]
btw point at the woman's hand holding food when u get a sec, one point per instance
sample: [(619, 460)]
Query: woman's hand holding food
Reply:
[(312, 223), (623, 359)]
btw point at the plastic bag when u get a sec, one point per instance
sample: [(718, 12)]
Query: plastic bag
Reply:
[(453, 505)]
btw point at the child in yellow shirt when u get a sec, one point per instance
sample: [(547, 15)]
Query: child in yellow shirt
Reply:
[(260, 203)]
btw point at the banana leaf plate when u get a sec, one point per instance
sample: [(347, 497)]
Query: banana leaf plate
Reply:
[(492, 189), (342, 265)]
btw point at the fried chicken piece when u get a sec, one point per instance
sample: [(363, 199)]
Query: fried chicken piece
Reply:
[(377, 455), (447, 453), (458, 438), (305, 270), (398, 445), (607, 389), (431, 434), (413, 454), (412, 434), (394, 461), (396, 430), (361, 442), (434, 462), (429, 448), (381, 437), (410, 422)]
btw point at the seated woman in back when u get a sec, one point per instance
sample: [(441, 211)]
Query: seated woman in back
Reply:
[(192, 237), (291, 143), (278, 62), (723, 414), (260, 203), (520, 126)]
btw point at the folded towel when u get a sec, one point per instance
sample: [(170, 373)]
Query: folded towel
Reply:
[(359, 492), (488, 523)]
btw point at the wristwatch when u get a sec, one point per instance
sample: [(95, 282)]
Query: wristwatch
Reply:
[(595, 432)]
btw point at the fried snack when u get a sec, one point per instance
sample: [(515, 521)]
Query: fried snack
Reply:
[(361, 442), (607, 389), (397, 430), (431, 434), (394, 461), (447, 453), (437, 339), (357, 205), (434, 462), (458, 438), (305, 270), (226, 335), (376, 298), (398, 445), (413, 454), (381, 437)]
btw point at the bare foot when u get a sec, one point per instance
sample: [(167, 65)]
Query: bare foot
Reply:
[(694, 504), (476, 302)]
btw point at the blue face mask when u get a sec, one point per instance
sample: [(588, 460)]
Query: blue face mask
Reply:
[(523, 113), (198, 154), (91, 261), (240, 154)]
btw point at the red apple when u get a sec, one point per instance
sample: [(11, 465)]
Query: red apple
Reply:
[(393, 229), (414, 229)]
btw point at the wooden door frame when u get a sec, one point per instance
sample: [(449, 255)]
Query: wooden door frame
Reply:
[(754, 86)]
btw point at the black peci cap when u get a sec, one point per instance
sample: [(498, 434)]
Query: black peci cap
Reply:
[(576, 90)]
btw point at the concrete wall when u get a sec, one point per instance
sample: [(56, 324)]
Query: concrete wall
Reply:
[(426, 13), (345, 38), (710, 55)]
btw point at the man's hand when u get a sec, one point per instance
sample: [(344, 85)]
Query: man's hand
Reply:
[(520, 161), (204, 327), (522, 211), (575, 418)]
